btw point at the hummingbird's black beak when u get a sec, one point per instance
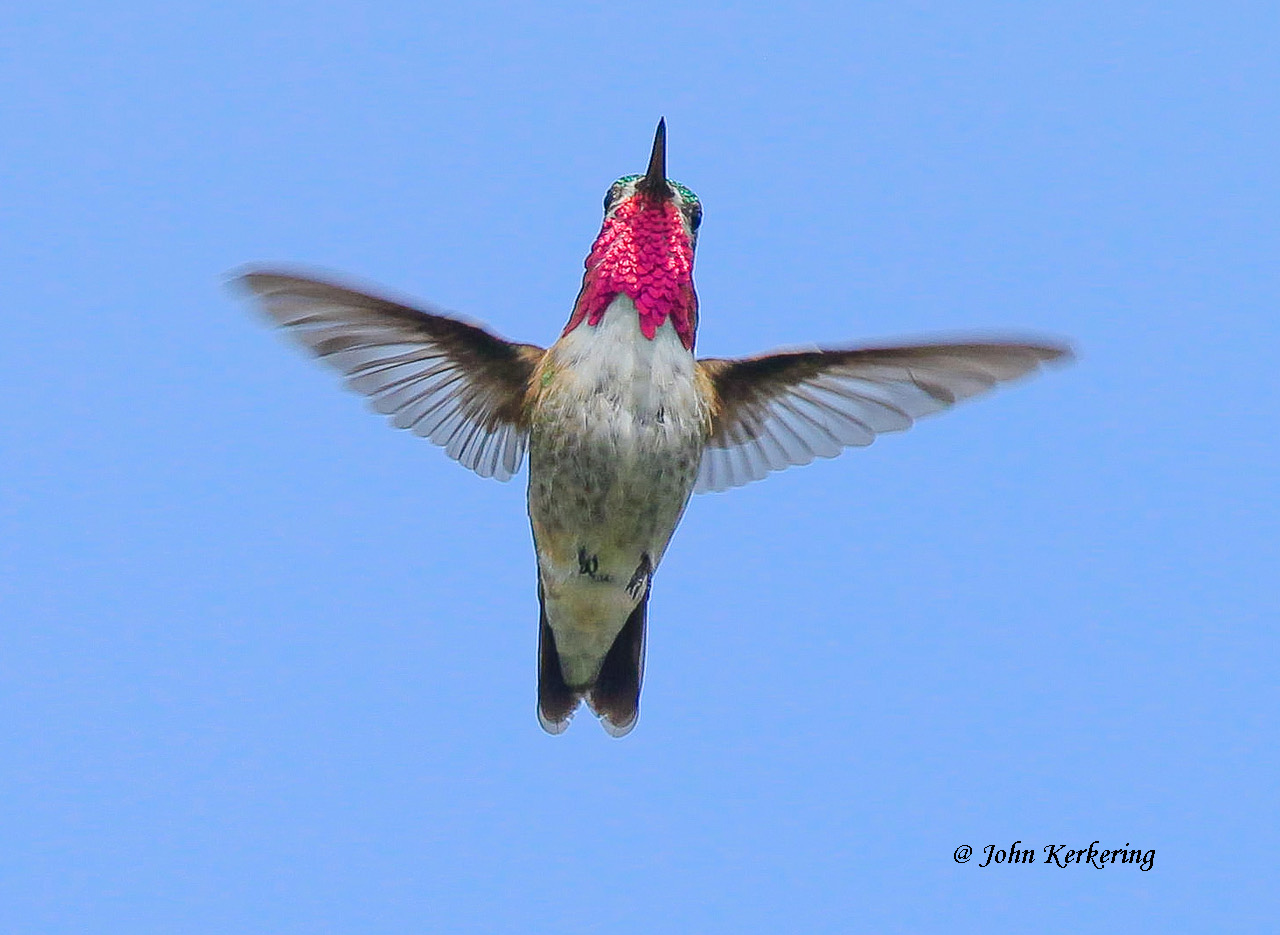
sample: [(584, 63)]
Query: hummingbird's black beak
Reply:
[(654, 184)]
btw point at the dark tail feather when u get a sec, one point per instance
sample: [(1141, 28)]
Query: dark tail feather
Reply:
[(616, 695), (556, 700)]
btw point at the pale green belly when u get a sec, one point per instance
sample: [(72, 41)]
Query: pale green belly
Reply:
[(603, 504), (614, 449)]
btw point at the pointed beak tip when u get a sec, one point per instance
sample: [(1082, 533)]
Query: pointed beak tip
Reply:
[(654, 183)]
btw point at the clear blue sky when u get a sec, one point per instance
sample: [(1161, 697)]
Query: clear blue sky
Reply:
[(267, 665)]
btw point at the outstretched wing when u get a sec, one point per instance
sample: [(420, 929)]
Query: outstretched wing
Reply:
[(446, 380), (782, 409)]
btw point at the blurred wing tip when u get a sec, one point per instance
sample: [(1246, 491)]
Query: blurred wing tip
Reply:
[(1044, 350), (1056, 354), (263, 280)]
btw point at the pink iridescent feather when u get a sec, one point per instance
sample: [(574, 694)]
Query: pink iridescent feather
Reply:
[(642, 252)]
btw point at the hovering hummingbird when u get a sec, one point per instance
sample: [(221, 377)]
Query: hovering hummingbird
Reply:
[(621, 422)]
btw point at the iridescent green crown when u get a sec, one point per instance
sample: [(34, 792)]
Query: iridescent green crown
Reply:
[(685, 192)]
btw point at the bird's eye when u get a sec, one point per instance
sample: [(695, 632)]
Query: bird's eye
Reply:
[(695, 216), (611, 194)]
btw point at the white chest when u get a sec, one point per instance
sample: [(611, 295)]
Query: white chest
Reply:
[(618, 380)]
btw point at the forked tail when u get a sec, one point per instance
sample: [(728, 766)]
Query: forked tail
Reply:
[(615, 694)]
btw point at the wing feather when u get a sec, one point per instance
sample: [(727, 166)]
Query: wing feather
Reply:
[(451, 382), (786, 409)]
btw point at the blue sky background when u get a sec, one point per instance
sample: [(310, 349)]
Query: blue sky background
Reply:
[(268, 666)]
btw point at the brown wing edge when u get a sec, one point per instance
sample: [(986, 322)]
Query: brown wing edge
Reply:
[(507, 365), (748, 381)]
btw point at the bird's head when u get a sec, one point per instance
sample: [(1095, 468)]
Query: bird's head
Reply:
[(645, 251)]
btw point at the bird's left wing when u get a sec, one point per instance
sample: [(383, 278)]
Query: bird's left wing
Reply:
[(446, 380), (777, 410)]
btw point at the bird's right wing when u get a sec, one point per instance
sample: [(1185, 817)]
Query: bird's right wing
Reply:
[(777, 410), (446, 380)]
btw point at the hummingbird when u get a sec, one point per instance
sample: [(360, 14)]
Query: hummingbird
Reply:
[(620, 421)]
